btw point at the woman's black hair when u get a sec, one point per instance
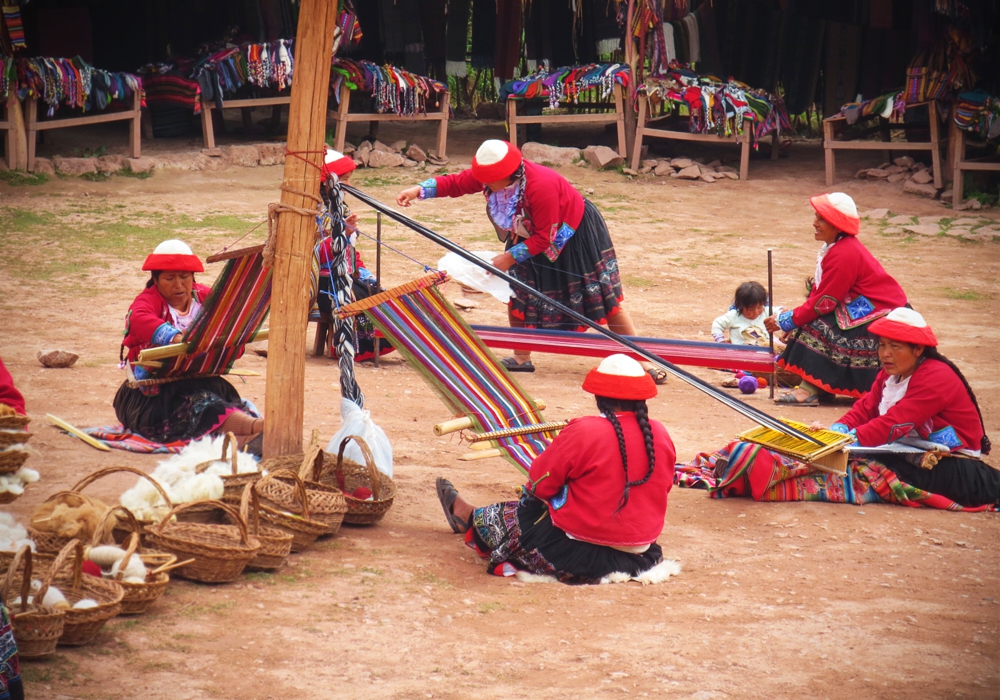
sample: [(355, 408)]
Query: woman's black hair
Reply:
[(749, 294), (933, 353), (608, 407), (155, 275)]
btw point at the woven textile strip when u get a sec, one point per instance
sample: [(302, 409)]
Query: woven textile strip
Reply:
[(437, 342)]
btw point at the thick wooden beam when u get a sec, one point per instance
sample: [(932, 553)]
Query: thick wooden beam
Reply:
[(284, 396)]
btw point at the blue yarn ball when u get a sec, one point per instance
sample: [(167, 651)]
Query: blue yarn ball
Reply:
[(748, 385)]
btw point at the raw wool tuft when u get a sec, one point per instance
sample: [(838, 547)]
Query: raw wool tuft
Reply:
[(528, 577), (14, 483), (13, 535), (658, 574)]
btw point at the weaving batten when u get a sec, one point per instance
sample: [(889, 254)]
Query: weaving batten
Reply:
[(549, 427), (703, 386)]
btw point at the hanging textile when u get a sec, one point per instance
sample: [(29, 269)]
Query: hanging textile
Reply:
[(434, 37), (392, 27), (392, 89), (457, 36), (484, 17), (711, 62), (15, 28), (7, 74), (73, 83), (566, 84), (413, 39), (840, 73), (507, 47)]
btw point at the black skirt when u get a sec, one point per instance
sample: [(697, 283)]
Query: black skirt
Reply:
[(968, 482), (838, 361), (584, 277), (364, 329), (181, 410)]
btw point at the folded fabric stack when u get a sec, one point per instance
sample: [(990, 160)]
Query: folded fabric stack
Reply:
[(392, 89), (715, 106), (890, 106), (566, 84), (71, 81), (978, 112)]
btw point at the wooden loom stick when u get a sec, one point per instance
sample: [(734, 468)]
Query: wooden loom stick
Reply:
[(176, 349), (362, 305), (551, 426), (485, 454), (465, 422), (770, 312), (72, 430), (703, 386)]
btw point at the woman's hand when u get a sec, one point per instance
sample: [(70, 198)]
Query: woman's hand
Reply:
[(404, 198), (352, 221), (503, 262), (176, 339), (816, 425), (771, 324)]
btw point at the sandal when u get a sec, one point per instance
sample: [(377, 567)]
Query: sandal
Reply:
[(513, 365), (659, 375), (447, 495), (789, 399)]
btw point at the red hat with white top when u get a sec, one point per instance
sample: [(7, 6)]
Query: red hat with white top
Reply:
[(838, 209), (620, 377), (495, 160), (904, 325), (175, 256), (336, 163)]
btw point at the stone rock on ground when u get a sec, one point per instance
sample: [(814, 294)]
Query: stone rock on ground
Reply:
[(966, 222), (728, 169), (74, 166), (917, 166), (110, 164), (692, 172), (861, 174), (929, 219), (896, 177), (463, 303), (398, 146), (645, 169), (651, 163), (601, 157), (271, 153), (141, 165), (903, 162), (878, 173), (947, 195), (875, 214), (629, 171), (912, 187), (363, 152), (729, 174), (258, 348), (893, 169), (893, 229), (900, 220), (415, 152), (57, 358), (706, 177), (349, 148), (681, 163), (924, 229), (714, 164), (959, 231), (381, 159), (550, 155), (189, 161), (244, 156), (410, 163), (44, 166), (662, 169), (922, 177), (379, 146)]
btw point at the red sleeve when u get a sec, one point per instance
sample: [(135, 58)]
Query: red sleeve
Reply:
[(866, 408), (9, 394), (457, 185), (923, 400), (358, 262), (144, 318), (839, 275), (545, 212), (553, 468)]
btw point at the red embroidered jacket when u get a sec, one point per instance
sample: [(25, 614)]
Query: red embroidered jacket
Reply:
[(850, 271), (585, 458), (936, 405), (552, 207), (147, 313)]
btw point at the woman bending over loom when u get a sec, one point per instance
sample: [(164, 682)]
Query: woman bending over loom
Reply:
[(596, 497), (556, 242), (829, 344), (187, 408), (919, 397)]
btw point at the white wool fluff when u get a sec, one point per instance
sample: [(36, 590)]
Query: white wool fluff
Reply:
[(54, 598), (658, 574), (85, 604), (13, 536), (14, 483), (105, 555), (134, 569)]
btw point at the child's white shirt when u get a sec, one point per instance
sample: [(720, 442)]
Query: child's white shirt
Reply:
[(742, 330)]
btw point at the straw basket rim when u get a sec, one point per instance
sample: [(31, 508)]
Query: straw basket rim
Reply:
[(37, 628), (82, 625), (364, 512)]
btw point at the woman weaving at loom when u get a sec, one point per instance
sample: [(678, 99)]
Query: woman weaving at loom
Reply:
[(556, 242), (187, 408), (596, 497), (919, 398), (830, 346)]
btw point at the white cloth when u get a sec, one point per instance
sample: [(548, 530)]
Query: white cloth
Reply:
[(892, 393), (182, 321), (668, 38), (819, 263), (742, 330)]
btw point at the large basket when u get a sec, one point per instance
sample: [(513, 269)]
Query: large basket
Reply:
[(138, 596), (348, 476), (11, 419), (275, 544), (13, 437), (326, 503), (8, 497), (12, 459), (232, 485), (220, 552), (302, 527), (36, 628), (82, 625)]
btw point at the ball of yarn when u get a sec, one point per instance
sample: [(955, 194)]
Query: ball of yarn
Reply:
[(748, 385), (761, 383)]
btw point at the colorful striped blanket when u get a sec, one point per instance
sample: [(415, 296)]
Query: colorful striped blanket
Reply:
[(115, 436)]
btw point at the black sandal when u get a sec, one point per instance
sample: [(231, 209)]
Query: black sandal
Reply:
[(659, 375), (513, 365), (447, 495)]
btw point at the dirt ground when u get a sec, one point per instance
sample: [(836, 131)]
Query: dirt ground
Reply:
[(801, 600)]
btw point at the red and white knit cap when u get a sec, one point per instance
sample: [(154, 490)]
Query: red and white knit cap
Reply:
[(838, 209), (620, 377), (336, 163), (906, 326), (495, 160), (175, 256)]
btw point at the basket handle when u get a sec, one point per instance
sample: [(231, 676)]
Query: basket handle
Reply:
[(133, 544), (373, 473), (102, 529), (230, 442), (73, 546), (222, 505), (312, 463), (299, 486), (247, 502), (100, 473), (23, 553)]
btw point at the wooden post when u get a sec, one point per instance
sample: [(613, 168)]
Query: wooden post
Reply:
[(378, 271), (16, 144), (284, 397), (770, 312), (640, 123)]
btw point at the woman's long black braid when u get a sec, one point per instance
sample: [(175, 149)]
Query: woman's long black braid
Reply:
[(608, 407), (934, 354)]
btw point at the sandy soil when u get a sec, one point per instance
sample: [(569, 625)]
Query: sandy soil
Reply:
[(775, 600)]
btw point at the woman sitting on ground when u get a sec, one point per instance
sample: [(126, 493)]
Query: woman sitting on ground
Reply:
[(187, 408), (829, 345), (596, 497), (919, 397)]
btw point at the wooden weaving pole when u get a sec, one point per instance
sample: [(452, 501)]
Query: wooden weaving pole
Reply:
[(378, 271), (285, 392), (770, 312)]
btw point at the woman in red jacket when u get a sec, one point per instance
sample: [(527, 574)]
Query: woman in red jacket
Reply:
[(187, 408), (830, 345), (589, 509), (556, 242)]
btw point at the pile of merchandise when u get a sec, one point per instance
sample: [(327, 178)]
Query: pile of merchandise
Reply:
[(393, 89), (73, 83), (890, 106), (567, 83), (978, 112)]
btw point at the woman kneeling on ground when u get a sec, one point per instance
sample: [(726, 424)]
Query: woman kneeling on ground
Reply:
[(595, 499), (187, 408)]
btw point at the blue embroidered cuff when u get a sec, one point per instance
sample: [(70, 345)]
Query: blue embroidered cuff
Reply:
[(164, 334), (559, 500), (520, 252), (428, 189), (365, 274), (785, 321), (840, 428)]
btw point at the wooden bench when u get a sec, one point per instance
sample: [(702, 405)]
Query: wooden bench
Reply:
[(34, 125), (744, 139), (208, 129), (15, 148), (342, 116), (514, 120), (830, 144), (962, 164)]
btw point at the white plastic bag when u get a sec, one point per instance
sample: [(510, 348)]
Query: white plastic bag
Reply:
[(471, 275), (358, 421)]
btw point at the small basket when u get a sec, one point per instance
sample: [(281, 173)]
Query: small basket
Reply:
[(36, 628), (81, 626), (303, 529), (232, 484), (138, 596), (326, 503), (275, 544), (348, 476), (13, 437), (8, 497), (220, 552), (11, 419), (12, 459)]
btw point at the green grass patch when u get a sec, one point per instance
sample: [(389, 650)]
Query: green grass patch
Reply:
[(128, 172), (96, 176), (964, 294), (16, 178), (637, 281)]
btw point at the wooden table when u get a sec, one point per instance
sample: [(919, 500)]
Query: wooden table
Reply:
[(15, 146), (744, 139), (132, 115), (961, 163), (830, 144), (342, 116), (616, 117), (208, 129)]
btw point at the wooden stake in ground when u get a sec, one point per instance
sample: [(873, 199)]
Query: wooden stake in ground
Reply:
[(295, 234)]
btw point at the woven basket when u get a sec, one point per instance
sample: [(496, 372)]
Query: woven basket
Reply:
[(348, 476), (303, 529), (275, 544), (11, 460), (11, 419), (326, 503), (220, 552), (18, 437), (8, 497), (51, 542), (82, 625), (138, 596), (36, 628), (232, 485)]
